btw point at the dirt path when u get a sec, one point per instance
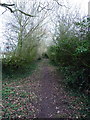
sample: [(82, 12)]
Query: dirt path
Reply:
[(54, 100), (41, 96)]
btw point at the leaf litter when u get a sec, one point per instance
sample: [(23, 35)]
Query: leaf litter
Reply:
[(40, 95)]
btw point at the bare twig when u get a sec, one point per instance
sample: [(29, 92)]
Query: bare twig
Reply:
[(12, 11), (7, 6), (59, 3), (4, 11), (23, 13)]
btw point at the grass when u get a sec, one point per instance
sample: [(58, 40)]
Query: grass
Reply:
[(10, 74), (13, 96)]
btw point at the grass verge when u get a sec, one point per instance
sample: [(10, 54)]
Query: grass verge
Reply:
[(10, 74), (17, 94)]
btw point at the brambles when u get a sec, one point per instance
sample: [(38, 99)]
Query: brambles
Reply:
[(71, 54)]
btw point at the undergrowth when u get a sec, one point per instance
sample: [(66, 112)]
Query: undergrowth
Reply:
[(83, 98), (12, 74), (16, 99)]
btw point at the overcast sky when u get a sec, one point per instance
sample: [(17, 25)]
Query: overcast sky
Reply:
[(82, 4)]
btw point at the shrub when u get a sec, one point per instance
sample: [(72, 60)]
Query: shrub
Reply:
[(72, 54)]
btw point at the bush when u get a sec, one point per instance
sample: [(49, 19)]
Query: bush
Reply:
[(72, 55), (44, 55), (13, 62)]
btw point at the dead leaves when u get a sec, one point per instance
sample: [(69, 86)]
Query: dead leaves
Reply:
[(18, 100), (24, 98)]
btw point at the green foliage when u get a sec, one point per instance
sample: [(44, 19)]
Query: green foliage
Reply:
[(83, 100), (52, 53), (6, 92), (14, 62), (22, 56), (72, 54), (44, 55), (23, 38), (10, 73)]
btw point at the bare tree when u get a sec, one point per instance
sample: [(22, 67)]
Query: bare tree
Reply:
[(24, 33)]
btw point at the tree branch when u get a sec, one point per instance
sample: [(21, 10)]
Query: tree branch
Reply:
[(12, 11), (7, 6), (23, 13), (59, 3)]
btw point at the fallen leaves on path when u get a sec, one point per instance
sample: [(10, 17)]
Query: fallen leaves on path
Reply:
[(40, 95)]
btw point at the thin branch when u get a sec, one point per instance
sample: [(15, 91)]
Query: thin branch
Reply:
[(7, 6), (4, 11), (59, 3), (12, 11), (23, 13)]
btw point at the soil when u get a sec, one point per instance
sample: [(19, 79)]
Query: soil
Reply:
[(45, 95), (54, 101)]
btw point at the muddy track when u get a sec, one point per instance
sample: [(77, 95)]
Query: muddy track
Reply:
[(53, 102), (41, 95)]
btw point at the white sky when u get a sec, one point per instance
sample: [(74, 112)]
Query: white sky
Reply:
[(82, 4)]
